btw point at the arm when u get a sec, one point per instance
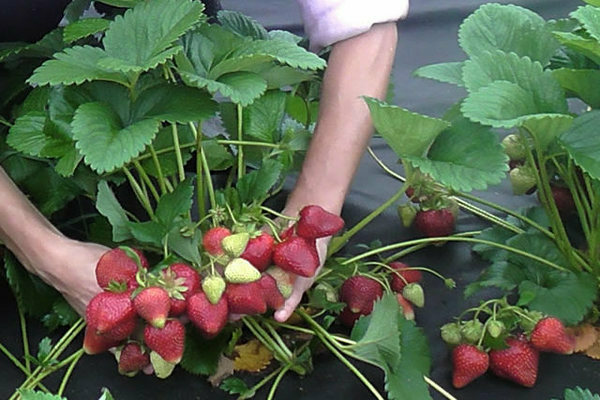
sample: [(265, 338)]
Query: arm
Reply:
[(66, 264), (359, 66)]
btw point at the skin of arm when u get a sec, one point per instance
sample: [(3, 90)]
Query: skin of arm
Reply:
[(65, 264), (358, 66)]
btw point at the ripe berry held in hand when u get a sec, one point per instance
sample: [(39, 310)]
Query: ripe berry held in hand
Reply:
[(168, 342), (116, 266), (296, 255), (468, 364), (211, 241), (270, 291), (401, 271), (245, 298), (209, 318), (517, 363), (360, 292), (132, 359), (315, 222), (183, 279), (153, 305), (96, 344), (107, 310), (550, 335), (259, 251), (434, 223)]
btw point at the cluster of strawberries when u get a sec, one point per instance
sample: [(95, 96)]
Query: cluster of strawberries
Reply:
[(517, 362), (359, 292), (138, 311)]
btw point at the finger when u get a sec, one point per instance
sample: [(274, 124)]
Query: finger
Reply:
[(290, 305)]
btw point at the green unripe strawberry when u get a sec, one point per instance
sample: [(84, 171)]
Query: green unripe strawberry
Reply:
[(241, 271), (451, 333), (234, 245), (407, 214), (522, 179), (413, 292), (285, 282), (213, 287), (472, 331), (514, 147), (533, 317), (495, 328)]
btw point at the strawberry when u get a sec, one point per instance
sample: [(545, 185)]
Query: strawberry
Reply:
[(245, 298), (522, 180), (472, 330), (407, 308), (95, 344), (259, 251), (348, 318), (153, 305), (208, 317), (550, 335), (271, 293), (434, 223), (296, 255), (235, 244), (122, 330), (450, 333), (407, 214), (315, 222), (514, 147), (468, 364), (212, 240), (213, 287), (132, 359), (288, 232), (108, 310), (168, 342), (359, 293), (413, 292), (285, 281), (241, 271), (402, 270), (181, 281), (563, 199), (518, 362), (116, 266)]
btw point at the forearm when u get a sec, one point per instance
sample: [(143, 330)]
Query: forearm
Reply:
[(359, 66)]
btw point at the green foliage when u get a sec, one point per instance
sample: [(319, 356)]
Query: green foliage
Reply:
[(84, 28), (580, 394), (233, 385), (29, 394), (242, 25), (450, 72), (108, 205), (255, 185), (582, 142), (201, 356)]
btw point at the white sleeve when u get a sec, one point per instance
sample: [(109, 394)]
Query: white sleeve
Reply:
[(329, 21)]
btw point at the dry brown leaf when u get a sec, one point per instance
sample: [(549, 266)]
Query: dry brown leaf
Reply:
[(252, 356), (594, 351), (224, 370), (585, 336)]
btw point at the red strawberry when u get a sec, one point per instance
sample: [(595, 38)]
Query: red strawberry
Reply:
[(212, 240), (434, 223), (550, 335), (288, 232), (245, 298), (209, 318), (407, 308), (359, 293), (409, 275), (259, 251), (153, 304), (270, 292), (182, 276), (348, 318), (468, 364), (123, 330), (563, 199), (296, 255), (518, 362), (107, 310), (132, 359), (115, 265), (168, 342), (95, 344), (315, 222)]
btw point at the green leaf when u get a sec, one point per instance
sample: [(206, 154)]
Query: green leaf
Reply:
[(255, 185), (582, 142), (546, 128), (503, 275), (508, 28), (121, 3), (217, 155), (566, 295), (29, 394), (103, 140), (75, 9), (201, 356), (27, 134), (106, 395), (580, 83), (174, 104), (407, 133), (233, 385), (75, 65), (589, 17), (588, 47), (579, 393), (241, 24), (108, 205), (44, 348), (449, 72), (148, 232), (282, 51), (406, 381), (62, 314), (84, 28), (144, 36), (465, 157), (171, 205), (167, 159), (241, 87), (262, 119), (185, 247)]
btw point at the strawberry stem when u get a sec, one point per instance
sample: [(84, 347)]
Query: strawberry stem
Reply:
[(142, 173), (280, 375), (200, 184), (139, 193), (438, 388), (26, 352), (240, 148), (158, 167), (278, 214), (63, 383), (178, 155)]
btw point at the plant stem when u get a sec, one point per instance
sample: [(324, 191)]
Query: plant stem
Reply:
[(142, 173), (263, 381), (265, 339), (142, 198), (278, 214), (200, 185), (279, 340), (178, 155), (249, 143), (159, 171), (14, 360), (240, 148), (209, 185), (63, 383), (277, 380), (343, 239), (26, 352), (438, 388)]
